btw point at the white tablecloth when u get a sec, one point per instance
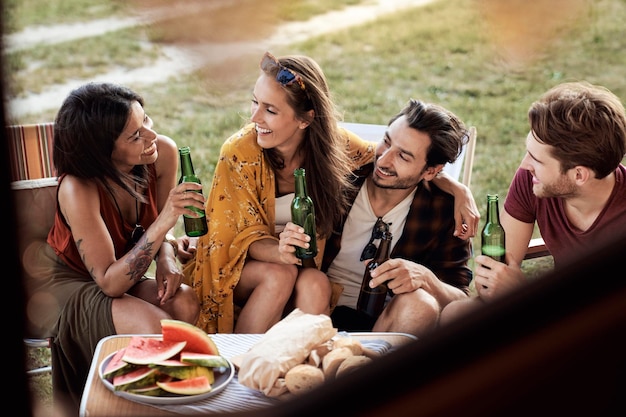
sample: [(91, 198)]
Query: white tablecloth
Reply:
[(236, 397)]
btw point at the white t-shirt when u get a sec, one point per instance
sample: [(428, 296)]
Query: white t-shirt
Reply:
[(283, 212), (346, 269)]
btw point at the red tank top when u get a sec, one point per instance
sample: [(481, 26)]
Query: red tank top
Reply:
[(60, 235)]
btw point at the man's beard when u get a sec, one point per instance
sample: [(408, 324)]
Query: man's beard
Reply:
[(561, 188), (405, 184)]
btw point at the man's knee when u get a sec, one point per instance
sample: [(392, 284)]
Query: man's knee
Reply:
[(457, 309)]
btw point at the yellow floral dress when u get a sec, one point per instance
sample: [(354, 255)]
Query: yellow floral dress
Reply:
[(241, 210)]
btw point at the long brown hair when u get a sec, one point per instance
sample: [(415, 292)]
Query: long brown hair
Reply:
[(326, 160)]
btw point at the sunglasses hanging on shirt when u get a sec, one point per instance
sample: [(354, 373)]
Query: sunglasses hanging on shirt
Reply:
[(138, 230), (377, 233), (136, 234)]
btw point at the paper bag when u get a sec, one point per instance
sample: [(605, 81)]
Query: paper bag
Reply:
[(287, 344)]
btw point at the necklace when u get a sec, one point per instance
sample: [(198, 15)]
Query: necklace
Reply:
[(138, 230)]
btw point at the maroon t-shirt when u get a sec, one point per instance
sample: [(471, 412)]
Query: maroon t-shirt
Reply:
[(564, 241)]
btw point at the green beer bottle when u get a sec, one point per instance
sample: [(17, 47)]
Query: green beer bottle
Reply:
[(492, 243), (194, 226), (303, 214)]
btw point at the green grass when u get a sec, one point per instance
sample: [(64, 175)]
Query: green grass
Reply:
[(441, 53), (41, 384), (444, 53), (32, 70), (23, 13)]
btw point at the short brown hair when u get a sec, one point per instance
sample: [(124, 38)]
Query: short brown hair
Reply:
[(584, 123)]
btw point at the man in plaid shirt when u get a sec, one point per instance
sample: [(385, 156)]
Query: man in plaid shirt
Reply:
[(429, 265)]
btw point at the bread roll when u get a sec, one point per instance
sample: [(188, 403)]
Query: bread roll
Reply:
[(352, 363), (314, 359), (302, 378), (355, 346), (333, 359), (318, 353)]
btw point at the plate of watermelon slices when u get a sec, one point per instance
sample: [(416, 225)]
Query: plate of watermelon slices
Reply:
[(174, 369)]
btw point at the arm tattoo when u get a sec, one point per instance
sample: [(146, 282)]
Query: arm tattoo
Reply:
[(139, 258), (82, 257)]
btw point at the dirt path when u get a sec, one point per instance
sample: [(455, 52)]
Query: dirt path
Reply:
[(180, 59)]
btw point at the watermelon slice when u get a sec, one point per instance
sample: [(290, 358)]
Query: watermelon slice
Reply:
[(140, 377), (186, 371), (146, 350), (197, 340), (169, 362), (203, 359), (193, 386), (117, 366), (152, 391)]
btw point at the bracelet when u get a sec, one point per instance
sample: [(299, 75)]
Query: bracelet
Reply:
[(169, 238)]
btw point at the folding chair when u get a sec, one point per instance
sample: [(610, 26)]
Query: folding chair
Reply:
[(33, 184)]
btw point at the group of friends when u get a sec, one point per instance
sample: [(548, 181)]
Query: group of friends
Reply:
[(119, 200)]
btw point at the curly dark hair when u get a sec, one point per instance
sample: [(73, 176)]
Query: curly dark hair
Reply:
[(90, 120)]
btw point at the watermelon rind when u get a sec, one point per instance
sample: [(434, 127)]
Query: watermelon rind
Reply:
[(151, 391), (197, 339), (170, 362), (193, 386), (147, 350), (186, 372), (203, 359), (117, 366), (140, 377)]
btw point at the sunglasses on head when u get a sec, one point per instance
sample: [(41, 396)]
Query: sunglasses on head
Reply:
[(284, 76), (377, 233)]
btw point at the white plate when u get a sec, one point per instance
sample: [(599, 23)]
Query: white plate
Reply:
[(222, 378)]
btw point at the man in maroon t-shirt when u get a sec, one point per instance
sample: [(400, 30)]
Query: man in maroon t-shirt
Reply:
[(571, 183)]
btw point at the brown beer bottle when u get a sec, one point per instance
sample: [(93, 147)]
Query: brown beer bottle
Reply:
[(372, 300)]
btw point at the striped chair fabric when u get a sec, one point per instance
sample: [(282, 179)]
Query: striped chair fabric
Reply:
[(30, 150), (33, 180)]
